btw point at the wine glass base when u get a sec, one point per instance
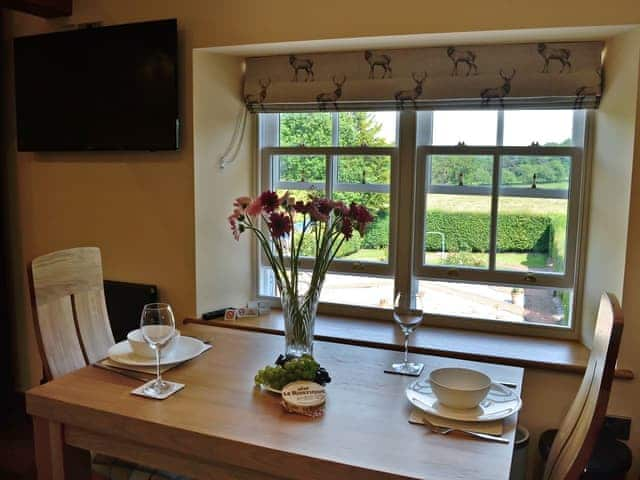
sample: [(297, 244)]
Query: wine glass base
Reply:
[(410, 369), (157, 388)]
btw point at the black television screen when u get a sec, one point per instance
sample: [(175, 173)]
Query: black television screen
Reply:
[(106, 88)]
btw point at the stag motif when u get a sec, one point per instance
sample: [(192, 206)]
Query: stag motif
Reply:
[(257, 99), (304, 64), (462, 56), (378, 60), (325, 99), (588, 91), (500, 92), (561, 55), (411, 95)]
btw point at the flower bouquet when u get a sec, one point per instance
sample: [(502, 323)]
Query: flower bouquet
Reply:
[(285, 225)]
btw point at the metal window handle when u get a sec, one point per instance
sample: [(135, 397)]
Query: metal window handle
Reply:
[(531, 278), (357, 266)]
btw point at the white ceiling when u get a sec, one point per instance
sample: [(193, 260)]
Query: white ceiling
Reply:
[(569, 34)]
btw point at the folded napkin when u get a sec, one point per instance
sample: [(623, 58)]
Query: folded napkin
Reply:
[(151, 370), (495, 427)]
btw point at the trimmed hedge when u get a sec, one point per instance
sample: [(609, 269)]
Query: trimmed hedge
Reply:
[(377, 234), (517, 232)]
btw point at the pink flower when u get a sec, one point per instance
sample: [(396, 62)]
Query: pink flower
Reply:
[(340, 208), (302, 207), (360, 214), (325, 206), (242, 202), (254, 208), (347, 228), (279, 224), (269, 201), (233, 223)]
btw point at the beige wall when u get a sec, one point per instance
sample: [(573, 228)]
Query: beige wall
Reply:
[(140, 208), (224, 275), (612, 162)]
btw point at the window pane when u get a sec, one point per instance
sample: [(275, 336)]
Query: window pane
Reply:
[(458, 206), (547, 127), (364, 169), (301, 168), (367, 128), (532, 222), (346, 289), (457, 230), (470, 127), (539, 305), (461, 170), (374, 246), (358, 290), (310, 129)]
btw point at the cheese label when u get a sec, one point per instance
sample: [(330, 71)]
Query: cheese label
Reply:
[(304, 394)]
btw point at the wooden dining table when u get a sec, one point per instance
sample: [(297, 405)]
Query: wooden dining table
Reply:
[(220, 426)]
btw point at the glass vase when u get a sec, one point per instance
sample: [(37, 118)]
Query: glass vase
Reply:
[(299, 314)]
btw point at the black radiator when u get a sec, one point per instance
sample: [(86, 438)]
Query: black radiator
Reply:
[(124, 304)]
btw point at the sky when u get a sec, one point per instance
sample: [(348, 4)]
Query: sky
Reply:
[(521, 127)]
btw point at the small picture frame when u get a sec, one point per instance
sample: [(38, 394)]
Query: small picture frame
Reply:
[(230, 314)]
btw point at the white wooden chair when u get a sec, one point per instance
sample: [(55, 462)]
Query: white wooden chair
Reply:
[(73, 330)]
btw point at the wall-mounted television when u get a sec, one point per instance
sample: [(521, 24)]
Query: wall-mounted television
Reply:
[(100, 88)]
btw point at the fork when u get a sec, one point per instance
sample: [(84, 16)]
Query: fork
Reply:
[(446, 431)]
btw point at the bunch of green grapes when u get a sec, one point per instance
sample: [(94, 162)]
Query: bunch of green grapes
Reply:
[(287, 371)]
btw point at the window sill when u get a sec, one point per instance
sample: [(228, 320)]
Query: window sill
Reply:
[(528, 352)]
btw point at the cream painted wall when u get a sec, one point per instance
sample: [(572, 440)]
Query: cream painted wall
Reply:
[(147, 230), (613, 144), (224, 275)]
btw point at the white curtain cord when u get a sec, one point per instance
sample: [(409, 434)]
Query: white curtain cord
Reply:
[(230, 154)]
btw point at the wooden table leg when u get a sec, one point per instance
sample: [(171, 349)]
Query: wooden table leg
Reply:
[(54, 459)]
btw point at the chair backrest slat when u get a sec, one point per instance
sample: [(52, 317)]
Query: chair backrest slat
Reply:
[(577, 436), (70, 310)]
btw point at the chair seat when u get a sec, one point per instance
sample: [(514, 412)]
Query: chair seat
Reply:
[(105, 467), (610, 456)]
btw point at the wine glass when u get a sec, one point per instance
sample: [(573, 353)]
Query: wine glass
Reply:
[(158, 326), (407, 313)]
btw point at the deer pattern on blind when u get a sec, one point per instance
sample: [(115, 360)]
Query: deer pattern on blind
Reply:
[(498, 93), (301, 65), (559, 55), (462, 56), (327, 98), (589, 90), (461, 75), (257, 99), (378, 60)]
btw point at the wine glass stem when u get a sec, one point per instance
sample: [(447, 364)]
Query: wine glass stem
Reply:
[(406, 348), (158, 377)]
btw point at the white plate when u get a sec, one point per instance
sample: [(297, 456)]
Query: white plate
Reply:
[(501, 402), (185, 348)]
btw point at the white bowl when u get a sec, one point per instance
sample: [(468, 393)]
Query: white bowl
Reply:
[(459, 387), (141, 348)]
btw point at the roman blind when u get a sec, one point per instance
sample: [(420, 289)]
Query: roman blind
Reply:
[(534, 75)]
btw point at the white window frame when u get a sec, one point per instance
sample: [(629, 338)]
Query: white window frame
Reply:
[(269, 150), (407, 209)]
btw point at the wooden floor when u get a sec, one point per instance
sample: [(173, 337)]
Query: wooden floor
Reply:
[(17, 459)]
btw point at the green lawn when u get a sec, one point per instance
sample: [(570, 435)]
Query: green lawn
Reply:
[(508, 260), (479, 203), (369, 255)]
